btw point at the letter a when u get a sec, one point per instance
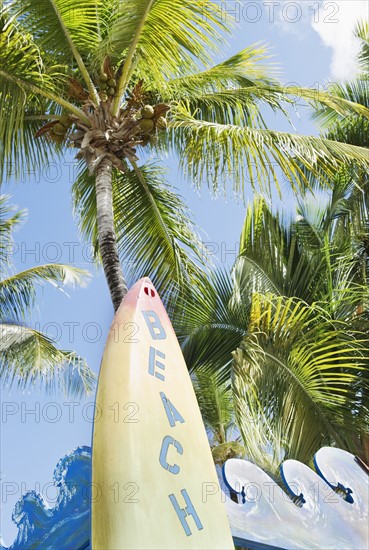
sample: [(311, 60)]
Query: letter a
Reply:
[(172, 414)]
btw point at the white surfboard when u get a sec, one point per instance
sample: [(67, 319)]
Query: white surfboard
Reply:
[(154, 480)]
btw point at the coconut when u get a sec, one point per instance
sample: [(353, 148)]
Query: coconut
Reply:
[(112, 82), (147, 111), (110, 91), (147, 125), (65, 120), (103, 77), (57, 139), (58, 129), (103, 96), (103, 85)]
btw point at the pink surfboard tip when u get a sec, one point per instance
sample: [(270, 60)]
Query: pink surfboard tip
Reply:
[(143, 292)]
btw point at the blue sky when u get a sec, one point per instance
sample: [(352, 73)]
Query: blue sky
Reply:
[(312, 47)]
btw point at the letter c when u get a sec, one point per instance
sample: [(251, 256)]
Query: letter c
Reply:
[(168, 440)]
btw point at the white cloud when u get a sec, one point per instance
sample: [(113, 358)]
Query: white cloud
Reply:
[(293, 18), (334, 22)]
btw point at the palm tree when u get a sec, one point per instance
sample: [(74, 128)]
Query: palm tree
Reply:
[(122, 80), (288, 332), (297, 281), (29, 357)]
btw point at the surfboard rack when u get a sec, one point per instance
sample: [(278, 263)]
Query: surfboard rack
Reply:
[(267, 520), (332, 510)]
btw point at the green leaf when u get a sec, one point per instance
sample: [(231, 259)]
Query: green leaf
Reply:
[(166, 34), (18, 291), (355, 91), (59, 23), (30, 91), (362, 32), (246, 69), (294, 377), (271, 257), (210, 324), (10, 219), (29, 358), (216, 406), (209, 150)]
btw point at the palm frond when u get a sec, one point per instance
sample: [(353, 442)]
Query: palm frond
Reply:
[(59, 25), (216, 405), (229, 92), (210, 325), (354, 91), (271, 257), (247, 68), (351, 130), (20, 63), (248, 75), (65, 30), (328, 229), (22, 154), (208, 151), (18, 291), (155, 232), (295, 373), (243, 105), (26, 68), (10, 218), (240, 106), (27, 88), (161, 37), (362, 32), (341, 99), (29, 358)]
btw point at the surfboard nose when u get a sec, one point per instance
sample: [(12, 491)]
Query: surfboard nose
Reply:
[(143, 288), (142, 291)]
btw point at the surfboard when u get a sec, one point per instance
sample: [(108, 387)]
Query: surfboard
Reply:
[(154, 483)]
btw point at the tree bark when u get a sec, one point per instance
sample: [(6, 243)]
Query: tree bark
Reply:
[(106, 233)]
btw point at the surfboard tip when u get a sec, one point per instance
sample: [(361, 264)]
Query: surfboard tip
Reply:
[(142, 291)]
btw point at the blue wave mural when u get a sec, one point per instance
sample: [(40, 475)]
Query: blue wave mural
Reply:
[(67, 526)]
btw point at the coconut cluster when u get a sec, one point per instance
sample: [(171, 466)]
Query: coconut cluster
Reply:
[(107, 86), (152, 118), (100, 134)]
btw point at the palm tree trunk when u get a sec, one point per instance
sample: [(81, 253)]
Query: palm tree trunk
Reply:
[(106, 233)]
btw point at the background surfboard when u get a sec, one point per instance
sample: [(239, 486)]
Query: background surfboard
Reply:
[(154, 480)]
